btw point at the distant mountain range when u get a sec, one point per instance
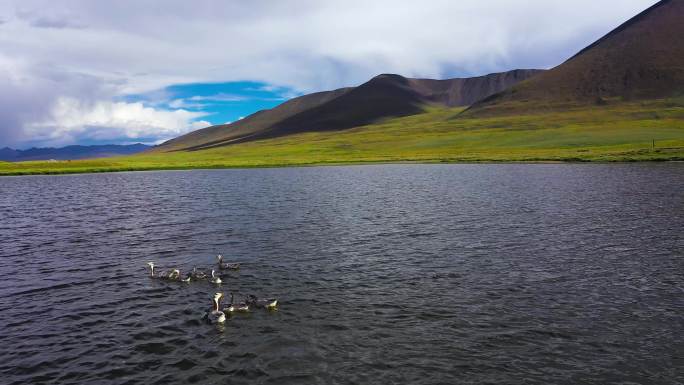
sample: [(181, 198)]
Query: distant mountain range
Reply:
[(384, 96), (70, 152), (641, 59)]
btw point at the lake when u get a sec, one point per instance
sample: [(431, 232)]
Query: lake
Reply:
[(421, 274)]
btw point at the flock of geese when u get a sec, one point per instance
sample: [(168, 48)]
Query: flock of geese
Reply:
[(217, 314)]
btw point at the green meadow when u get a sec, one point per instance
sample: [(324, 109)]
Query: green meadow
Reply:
[(620, 132)]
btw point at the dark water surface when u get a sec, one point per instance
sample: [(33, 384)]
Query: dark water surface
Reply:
[(421, 274)]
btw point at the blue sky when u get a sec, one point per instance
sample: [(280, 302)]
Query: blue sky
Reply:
[(219, 102), (125, 71), (211, 104)]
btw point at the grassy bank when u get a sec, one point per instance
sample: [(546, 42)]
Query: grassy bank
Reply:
[(616, 132)]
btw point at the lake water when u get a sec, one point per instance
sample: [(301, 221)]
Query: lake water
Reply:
[(420, 274)]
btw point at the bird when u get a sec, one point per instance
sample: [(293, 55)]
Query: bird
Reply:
[(151, 265), (226, 266), (167, 275), (198, 275), (266, 303), (173, 275), (187, 278), (216, 315), (236, 307), (214, 278)]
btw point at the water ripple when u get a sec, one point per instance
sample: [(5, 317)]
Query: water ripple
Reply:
[(515, 274)]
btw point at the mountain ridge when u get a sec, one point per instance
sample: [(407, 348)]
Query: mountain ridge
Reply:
[(643, 58), (383, 96)]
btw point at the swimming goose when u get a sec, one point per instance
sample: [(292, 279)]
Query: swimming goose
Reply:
[(266, 303), (236, 307), (187, 278), (167, 275), (226, 266), (216, 315), (171, 275), (151, 265), (214, 278), (198, 275)]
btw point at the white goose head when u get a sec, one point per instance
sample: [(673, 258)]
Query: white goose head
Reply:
[(214, 278), (151, 265), (217, 298)]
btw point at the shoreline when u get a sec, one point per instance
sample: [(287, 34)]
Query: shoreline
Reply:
[(76, 171)]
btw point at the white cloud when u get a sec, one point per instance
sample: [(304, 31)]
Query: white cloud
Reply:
[(183, 103), (220, 97), (72, 119), (304, 44), (196, 125)]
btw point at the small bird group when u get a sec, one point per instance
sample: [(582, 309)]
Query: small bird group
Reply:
[(170, 275), (196, 274), (217, 314)]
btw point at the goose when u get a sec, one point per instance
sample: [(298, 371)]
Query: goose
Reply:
[(151, 265), (171, 275), (226, 266), (215, 279), (236, 307), (266, 303), (187, 278), (215, 315), (167, 275), (198, 275)]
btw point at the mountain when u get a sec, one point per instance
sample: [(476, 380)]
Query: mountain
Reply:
[(7, 153), (384, 96), (70, 152), (641, 59), (243, 128)]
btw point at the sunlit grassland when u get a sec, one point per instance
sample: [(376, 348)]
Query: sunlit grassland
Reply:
[(616, 132)]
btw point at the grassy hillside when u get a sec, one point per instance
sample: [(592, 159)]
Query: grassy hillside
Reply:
[(641, 59), (383, 97), (615, 132), (252, 124)]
